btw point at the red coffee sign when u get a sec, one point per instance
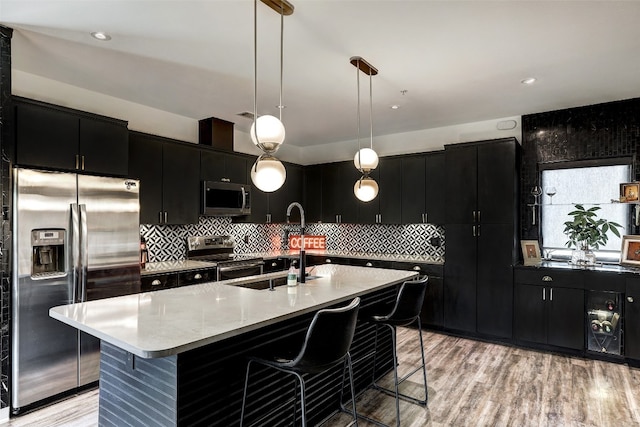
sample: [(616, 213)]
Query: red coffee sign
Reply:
[(310, 242)]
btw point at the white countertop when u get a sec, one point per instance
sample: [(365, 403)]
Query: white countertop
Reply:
[(172, 321)]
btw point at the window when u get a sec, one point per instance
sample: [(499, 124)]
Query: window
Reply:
[(588, 186)]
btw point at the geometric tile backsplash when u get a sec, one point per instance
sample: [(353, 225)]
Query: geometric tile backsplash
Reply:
[(168, 242)]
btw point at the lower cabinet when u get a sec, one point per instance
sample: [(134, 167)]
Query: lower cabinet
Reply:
[(549, 315), (632, 319)]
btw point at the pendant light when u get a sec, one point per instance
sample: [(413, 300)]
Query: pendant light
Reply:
[(267, 132), (366, 159)]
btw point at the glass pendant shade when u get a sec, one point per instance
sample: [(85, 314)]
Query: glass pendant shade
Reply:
[(268, 173), (365, 189), (365, 160), (270, 133)]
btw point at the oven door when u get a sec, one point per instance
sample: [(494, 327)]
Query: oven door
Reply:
[(236, 270)]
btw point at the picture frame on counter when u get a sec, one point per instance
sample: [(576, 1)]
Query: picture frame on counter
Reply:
[(531, 252), (630, 254)]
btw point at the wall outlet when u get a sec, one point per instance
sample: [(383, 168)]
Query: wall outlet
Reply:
[(435, 242), (246, 239)]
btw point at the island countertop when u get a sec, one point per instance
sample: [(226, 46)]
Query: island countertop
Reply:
[(172, 321)]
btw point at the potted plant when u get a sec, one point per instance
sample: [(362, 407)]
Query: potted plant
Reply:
[(586, 232)]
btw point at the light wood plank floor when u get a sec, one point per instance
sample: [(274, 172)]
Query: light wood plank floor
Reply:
[(471, 383)]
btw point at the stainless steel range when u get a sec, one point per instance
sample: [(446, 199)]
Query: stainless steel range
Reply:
[(219, 249)]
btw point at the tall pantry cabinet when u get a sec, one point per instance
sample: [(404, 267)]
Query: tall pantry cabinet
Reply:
[(481, 236)]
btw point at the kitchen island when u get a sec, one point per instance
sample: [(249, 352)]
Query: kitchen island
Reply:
[(178, 356)]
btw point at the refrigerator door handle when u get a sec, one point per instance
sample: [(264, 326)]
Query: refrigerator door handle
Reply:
[(75, 251), (84, 255)]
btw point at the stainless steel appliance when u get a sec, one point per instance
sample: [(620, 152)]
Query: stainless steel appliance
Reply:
[(219, 249), (225, 198), (76, 238)]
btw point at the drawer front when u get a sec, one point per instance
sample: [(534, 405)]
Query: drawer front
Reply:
[(278, 264), (194, 277), (363, 262), (435, 270), (549, 277), (158, 282), (604, 281)]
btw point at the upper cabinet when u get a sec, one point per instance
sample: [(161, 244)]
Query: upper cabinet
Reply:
[(339, 204), (169, 174), (386, 208), (423, 188), (312, 193), (53, 137), (291, 191), (225, 167)]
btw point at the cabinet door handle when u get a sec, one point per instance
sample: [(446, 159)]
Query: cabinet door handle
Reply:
[(156, 282), (547, 279), (478, 230), (629, 299), (368, 264), (166, 217), (416, 268), (551, 294), (274, 264), (77, 161), (225, 180), (160, 217), (474, 216), (268, 218), (423, 218), (544, 294), (474, 231), (479, 216), (426, 218), (82, 163), (328, 260), (197, 276)]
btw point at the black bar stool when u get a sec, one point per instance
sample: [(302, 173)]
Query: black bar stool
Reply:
[(405, 311), (326, 345)]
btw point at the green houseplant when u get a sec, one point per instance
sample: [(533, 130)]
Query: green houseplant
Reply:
[(586, 232)]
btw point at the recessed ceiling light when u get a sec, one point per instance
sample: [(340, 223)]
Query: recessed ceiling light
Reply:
[(528, 81), (99, 35), (395, 107)]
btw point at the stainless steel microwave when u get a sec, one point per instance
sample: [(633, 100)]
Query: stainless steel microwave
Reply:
[(225, 198)]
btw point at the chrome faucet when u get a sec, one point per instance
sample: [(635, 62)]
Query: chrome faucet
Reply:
[(302, 225)]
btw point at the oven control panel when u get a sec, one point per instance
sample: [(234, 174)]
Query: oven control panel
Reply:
[(195, 243)]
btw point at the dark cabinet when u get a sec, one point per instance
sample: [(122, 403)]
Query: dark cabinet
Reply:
[(550, 315), (480, 205), (423, 188), (313, 193), (549, 307), (632, 319), (169, 174), (53, 137), (291, 191), (434, 190), (386, 208), (225, 167), (339, 203)]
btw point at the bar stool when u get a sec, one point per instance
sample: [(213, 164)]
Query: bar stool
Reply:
[(405, 311), (326, 345)]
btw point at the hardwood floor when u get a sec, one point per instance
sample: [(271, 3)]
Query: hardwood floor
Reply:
[(471, 383)]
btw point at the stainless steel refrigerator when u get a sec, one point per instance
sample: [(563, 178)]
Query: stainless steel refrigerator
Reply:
[(76, 238)]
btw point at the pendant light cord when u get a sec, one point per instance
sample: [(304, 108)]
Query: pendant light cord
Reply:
[(255, 73), (358, 114), (281, 106), (370, 109)]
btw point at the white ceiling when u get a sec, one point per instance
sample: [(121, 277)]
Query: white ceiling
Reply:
[(459, 61)]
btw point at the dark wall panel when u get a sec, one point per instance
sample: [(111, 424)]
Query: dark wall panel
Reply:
[(584, 133)]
